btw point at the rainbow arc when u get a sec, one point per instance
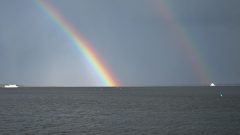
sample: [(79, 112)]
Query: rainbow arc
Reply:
[(187, 45), (85, 48)]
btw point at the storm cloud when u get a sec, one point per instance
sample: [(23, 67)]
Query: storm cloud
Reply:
[(130, 37)]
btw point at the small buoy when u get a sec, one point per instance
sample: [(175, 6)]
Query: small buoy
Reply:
[(220, 94), (120, 88), (101, 89)]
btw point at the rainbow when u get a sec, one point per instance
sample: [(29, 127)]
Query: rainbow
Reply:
[(86, 50), (180, 35)]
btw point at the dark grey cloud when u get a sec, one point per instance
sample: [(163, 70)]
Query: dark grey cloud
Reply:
[(211, 12), (129, 36)]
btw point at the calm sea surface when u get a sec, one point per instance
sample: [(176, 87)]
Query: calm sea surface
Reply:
[(142, 110)]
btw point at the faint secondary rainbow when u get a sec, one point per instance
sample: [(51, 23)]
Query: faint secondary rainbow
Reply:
[(86, 50), (179, 34)]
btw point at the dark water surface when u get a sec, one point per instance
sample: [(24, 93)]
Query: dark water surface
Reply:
[(143, 110)]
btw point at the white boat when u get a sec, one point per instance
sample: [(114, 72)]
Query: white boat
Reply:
[(11, 86), (212, 84)]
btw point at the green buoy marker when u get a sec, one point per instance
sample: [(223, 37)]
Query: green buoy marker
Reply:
[(220, 94), (120, 88)]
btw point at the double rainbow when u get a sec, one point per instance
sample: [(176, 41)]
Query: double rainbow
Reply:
[(85, 49)]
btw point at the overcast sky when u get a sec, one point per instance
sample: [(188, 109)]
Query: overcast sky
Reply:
[(142, 42)]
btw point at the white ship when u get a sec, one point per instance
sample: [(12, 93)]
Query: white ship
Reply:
[(212, 84), (11, 86)]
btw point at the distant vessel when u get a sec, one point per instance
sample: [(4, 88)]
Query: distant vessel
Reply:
[(212, 84), (11, 86)]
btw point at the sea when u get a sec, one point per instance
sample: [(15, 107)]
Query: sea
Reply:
[(120, 110)]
